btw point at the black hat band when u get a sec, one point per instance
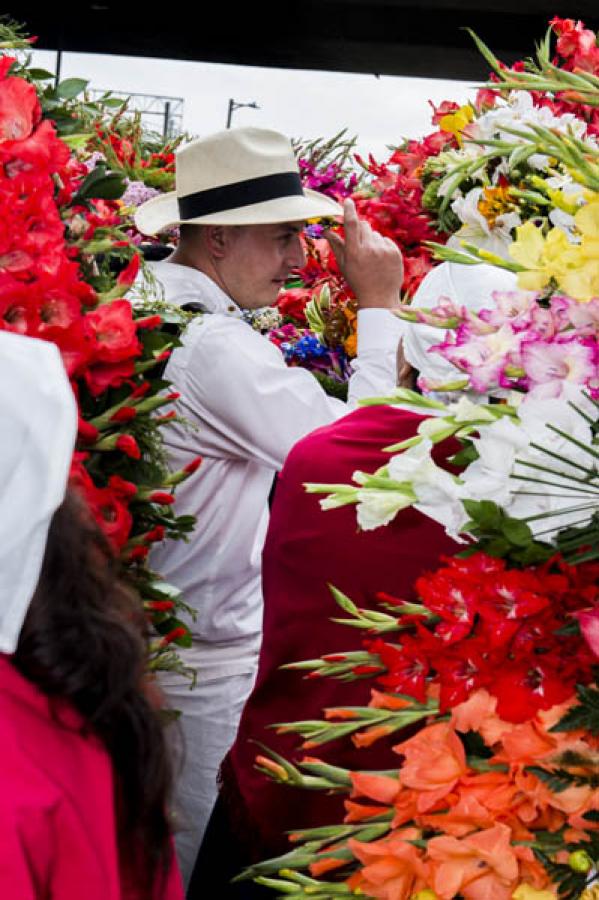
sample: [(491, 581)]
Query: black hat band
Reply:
[(239, 194)]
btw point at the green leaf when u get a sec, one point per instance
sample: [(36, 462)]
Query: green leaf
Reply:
[(486, 514), (585, 715), (40, 74), (100, 184), (71, 87), (77, 141), (516, 532)]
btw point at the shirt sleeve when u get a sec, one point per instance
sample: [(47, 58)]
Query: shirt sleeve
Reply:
[(375, 366), (247, 403)]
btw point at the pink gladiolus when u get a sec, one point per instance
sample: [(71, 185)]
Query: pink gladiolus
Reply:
[(549, 365), (589, 626)]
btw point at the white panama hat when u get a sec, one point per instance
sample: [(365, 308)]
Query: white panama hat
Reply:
[(242, 176)]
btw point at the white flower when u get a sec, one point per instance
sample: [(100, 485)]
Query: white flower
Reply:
[(467, 411), (476, 229), (379, 507), (437, 492)]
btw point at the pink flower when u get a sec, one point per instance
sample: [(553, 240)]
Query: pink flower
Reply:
[(549, 365)]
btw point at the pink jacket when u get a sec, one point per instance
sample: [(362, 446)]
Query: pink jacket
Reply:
[(57, 820)]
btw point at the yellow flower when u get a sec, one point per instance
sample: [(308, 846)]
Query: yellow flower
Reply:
[(527, 892), (350, 345), (494, 202), (456, 122), (591, 893), (425, 894), (581, 278), (544, 258)]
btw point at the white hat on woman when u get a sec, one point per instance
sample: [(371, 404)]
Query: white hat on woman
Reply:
[(38, 426)]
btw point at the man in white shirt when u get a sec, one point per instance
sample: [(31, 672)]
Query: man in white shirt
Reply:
[(241, 209)]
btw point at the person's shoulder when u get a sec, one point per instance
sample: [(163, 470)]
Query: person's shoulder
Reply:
[(354, 440), (367, 423)]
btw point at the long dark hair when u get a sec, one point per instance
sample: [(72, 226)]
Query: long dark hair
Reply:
[(83, 642)]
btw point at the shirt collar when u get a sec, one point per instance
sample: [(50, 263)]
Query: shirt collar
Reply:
[(184, 284)]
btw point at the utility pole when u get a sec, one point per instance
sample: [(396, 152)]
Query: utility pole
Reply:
[(233, 105)]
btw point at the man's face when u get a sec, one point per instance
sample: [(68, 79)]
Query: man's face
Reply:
[(258, 261)]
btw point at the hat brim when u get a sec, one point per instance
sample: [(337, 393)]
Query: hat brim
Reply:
[(162, 213)]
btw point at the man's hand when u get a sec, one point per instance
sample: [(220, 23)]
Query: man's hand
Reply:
[(371, 264)]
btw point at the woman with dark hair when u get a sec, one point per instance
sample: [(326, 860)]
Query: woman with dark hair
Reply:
[(85, 779)]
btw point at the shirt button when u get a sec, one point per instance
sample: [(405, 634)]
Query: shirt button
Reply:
[(230, 309)]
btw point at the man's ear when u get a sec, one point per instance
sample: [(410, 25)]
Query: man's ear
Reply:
[(217, 240)]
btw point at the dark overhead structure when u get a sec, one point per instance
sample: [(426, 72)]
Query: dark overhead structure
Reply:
[(384, 37)]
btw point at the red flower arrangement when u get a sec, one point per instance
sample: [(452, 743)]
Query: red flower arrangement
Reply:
[(54, 220)]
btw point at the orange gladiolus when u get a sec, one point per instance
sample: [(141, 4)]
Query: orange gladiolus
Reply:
[(321, 866), (477, 713), (434, 761), (462, 818), (382, 788), (368, 737), (406, 807), (356, 812), (393, 868), (380, 700), (482, 866)]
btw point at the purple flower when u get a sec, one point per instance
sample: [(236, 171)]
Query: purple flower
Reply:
[(137, 193)]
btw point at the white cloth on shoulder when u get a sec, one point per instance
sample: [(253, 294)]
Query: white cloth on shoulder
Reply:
[(469, 286)]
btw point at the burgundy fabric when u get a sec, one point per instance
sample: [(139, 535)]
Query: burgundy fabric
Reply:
[(304, 549)]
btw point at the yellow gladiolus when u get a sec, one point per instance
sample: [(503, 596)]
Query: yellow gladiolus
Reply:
[(527, 892), (544, 258)]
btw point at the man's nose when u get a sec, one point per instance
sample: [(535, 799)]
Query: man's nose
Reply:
[(296, 257)]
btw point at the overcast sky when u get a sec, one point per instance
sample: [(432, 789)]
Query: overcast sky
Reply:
[(300, 103)]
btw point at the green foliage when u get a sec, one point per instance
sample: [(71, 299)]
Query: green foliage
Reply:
[(100, 184), (502, 536), (585, 715)]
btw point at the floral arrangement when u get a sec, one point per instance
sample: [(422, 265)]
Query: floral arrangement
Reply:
[(493, 793), (66, 266)]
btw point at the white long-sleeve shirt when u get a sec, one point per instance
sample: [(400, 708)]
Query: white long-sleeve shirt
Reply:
[(246, 410)]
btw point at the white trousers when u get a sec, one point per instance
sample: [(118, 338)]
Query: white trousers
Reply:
[(210, 714)]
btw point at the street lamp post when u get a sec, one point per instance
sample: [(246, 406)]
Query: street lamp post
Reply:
[(233, 105)]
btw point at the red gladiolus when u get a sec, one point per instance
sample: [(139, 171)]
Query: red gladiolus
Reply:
[(129, 273), (193, 466), (124, 414), (87, 432), (141, 390), (127, 444), (159, 605), (173, 635), (156, 534), (121, 488), (149, 322), (139, 554), (115, 332), (161, 497), (19, 106)]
